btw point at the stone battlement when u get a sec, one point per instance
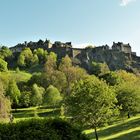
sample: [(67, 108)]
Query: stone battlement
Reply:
[(62, 49)]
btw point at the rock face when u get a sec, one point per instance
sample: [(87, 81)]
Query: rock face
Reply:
[(119, 56)]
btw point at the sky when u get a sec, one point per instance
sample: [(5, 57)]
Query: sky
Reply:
[(96, 22)]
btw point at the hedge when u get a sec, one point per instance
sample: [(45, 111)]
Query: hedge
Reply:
[(40, 129)]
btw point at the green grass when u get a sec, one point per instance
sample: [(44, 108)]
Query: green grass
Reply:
[(17, 76), (128, 129), (124, 129), (41, 112)]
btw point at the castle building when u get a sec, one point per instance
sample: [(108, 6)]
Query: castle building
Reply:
[(126, 48)]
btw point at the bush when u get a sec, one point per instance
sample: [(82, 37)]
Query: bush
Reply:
[(40, 129)]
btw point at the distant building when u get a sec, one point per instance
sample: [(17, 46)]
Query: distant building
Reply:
[(126, 48)]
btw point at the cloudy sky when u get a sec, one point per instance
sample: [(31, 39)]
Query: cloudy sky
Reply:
[(95, 22)]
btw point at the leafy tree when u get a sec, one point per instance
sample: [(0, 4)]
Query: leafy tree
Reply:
[(5, 53), (21, 60), (52, 96), (57, 79), (128, 95), (65, 63), (42, 55), (37, 95), (72, 73), (36, 78), (25, 58), (99, 68), (50, 65), (5, 105), (35, 59), (14, 93), (91, 103), (126, 76), (3, 65), (112, 78), (25, 99), (51, 75)]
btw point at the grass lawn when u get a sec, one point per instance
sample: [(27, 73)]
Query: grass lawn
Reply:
[(128, 129), (17, 76), (41, 112)]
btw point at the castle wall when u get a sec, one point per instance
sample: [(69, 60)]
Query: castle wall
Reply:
[(126, 49), (76, 52), (61, 52)]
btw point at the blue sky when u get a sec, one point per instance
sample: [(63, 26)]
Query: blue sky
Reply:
[(95, 22)]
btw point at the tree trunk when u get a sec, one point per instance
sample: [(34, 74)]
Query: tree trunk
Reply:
[(128, 115), (96, 134)]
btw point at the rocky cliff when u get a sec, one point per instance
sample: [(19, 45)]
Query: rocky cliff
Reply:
[(119, 56)]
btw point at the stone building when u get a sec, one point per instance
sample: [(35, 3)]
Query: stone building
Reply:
[(126, 48)]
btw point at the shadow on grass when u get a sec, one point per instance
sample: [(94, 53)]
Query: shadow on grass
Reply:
[(120, 127), (39, 112), (135, 135), (49, 114), (48, 107), (112, 130), (23, 114)]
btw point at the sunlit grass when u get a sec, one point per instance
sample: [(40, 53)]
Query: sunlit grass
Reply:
[(128, 129), (17, 76), (41, 112)]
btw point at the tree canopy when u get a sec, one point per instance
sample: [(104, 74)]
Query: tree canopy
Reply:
[(91, 103)]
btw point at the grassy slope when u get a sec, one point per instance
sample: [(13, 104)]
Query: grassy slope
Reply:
[(18, 76), (128, 129), (27, 113)]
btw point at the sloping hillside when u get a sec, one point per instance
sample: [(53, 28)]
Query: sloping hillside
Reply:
[(125, 130)]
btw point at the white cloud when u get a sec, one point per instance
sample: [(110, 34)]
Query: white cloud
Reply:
[(126, 2)]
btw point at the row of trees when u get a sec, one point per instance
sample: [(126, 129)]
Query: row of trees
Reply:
[(34, 96)]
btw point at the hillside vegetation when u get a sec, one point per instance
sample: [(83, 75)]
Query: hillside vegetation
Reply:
[(36, 83)]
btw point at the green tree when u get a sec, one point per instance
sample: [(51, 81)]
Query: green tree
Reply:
[(5, 105), (25, 99), (112, 78), (50, 65), (99, 68), (35, 60), (51, 75), (36, 78), (72, 73), (126, 76), (21, 60), (42, 55), (91, 103), (3, 65), (128, 95), (37, 95), (25, 58), (13, 93), (5, 53), (52, 96)]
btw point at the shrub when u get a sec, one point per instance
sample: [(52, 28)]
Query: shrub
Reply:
[(40, 129)]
